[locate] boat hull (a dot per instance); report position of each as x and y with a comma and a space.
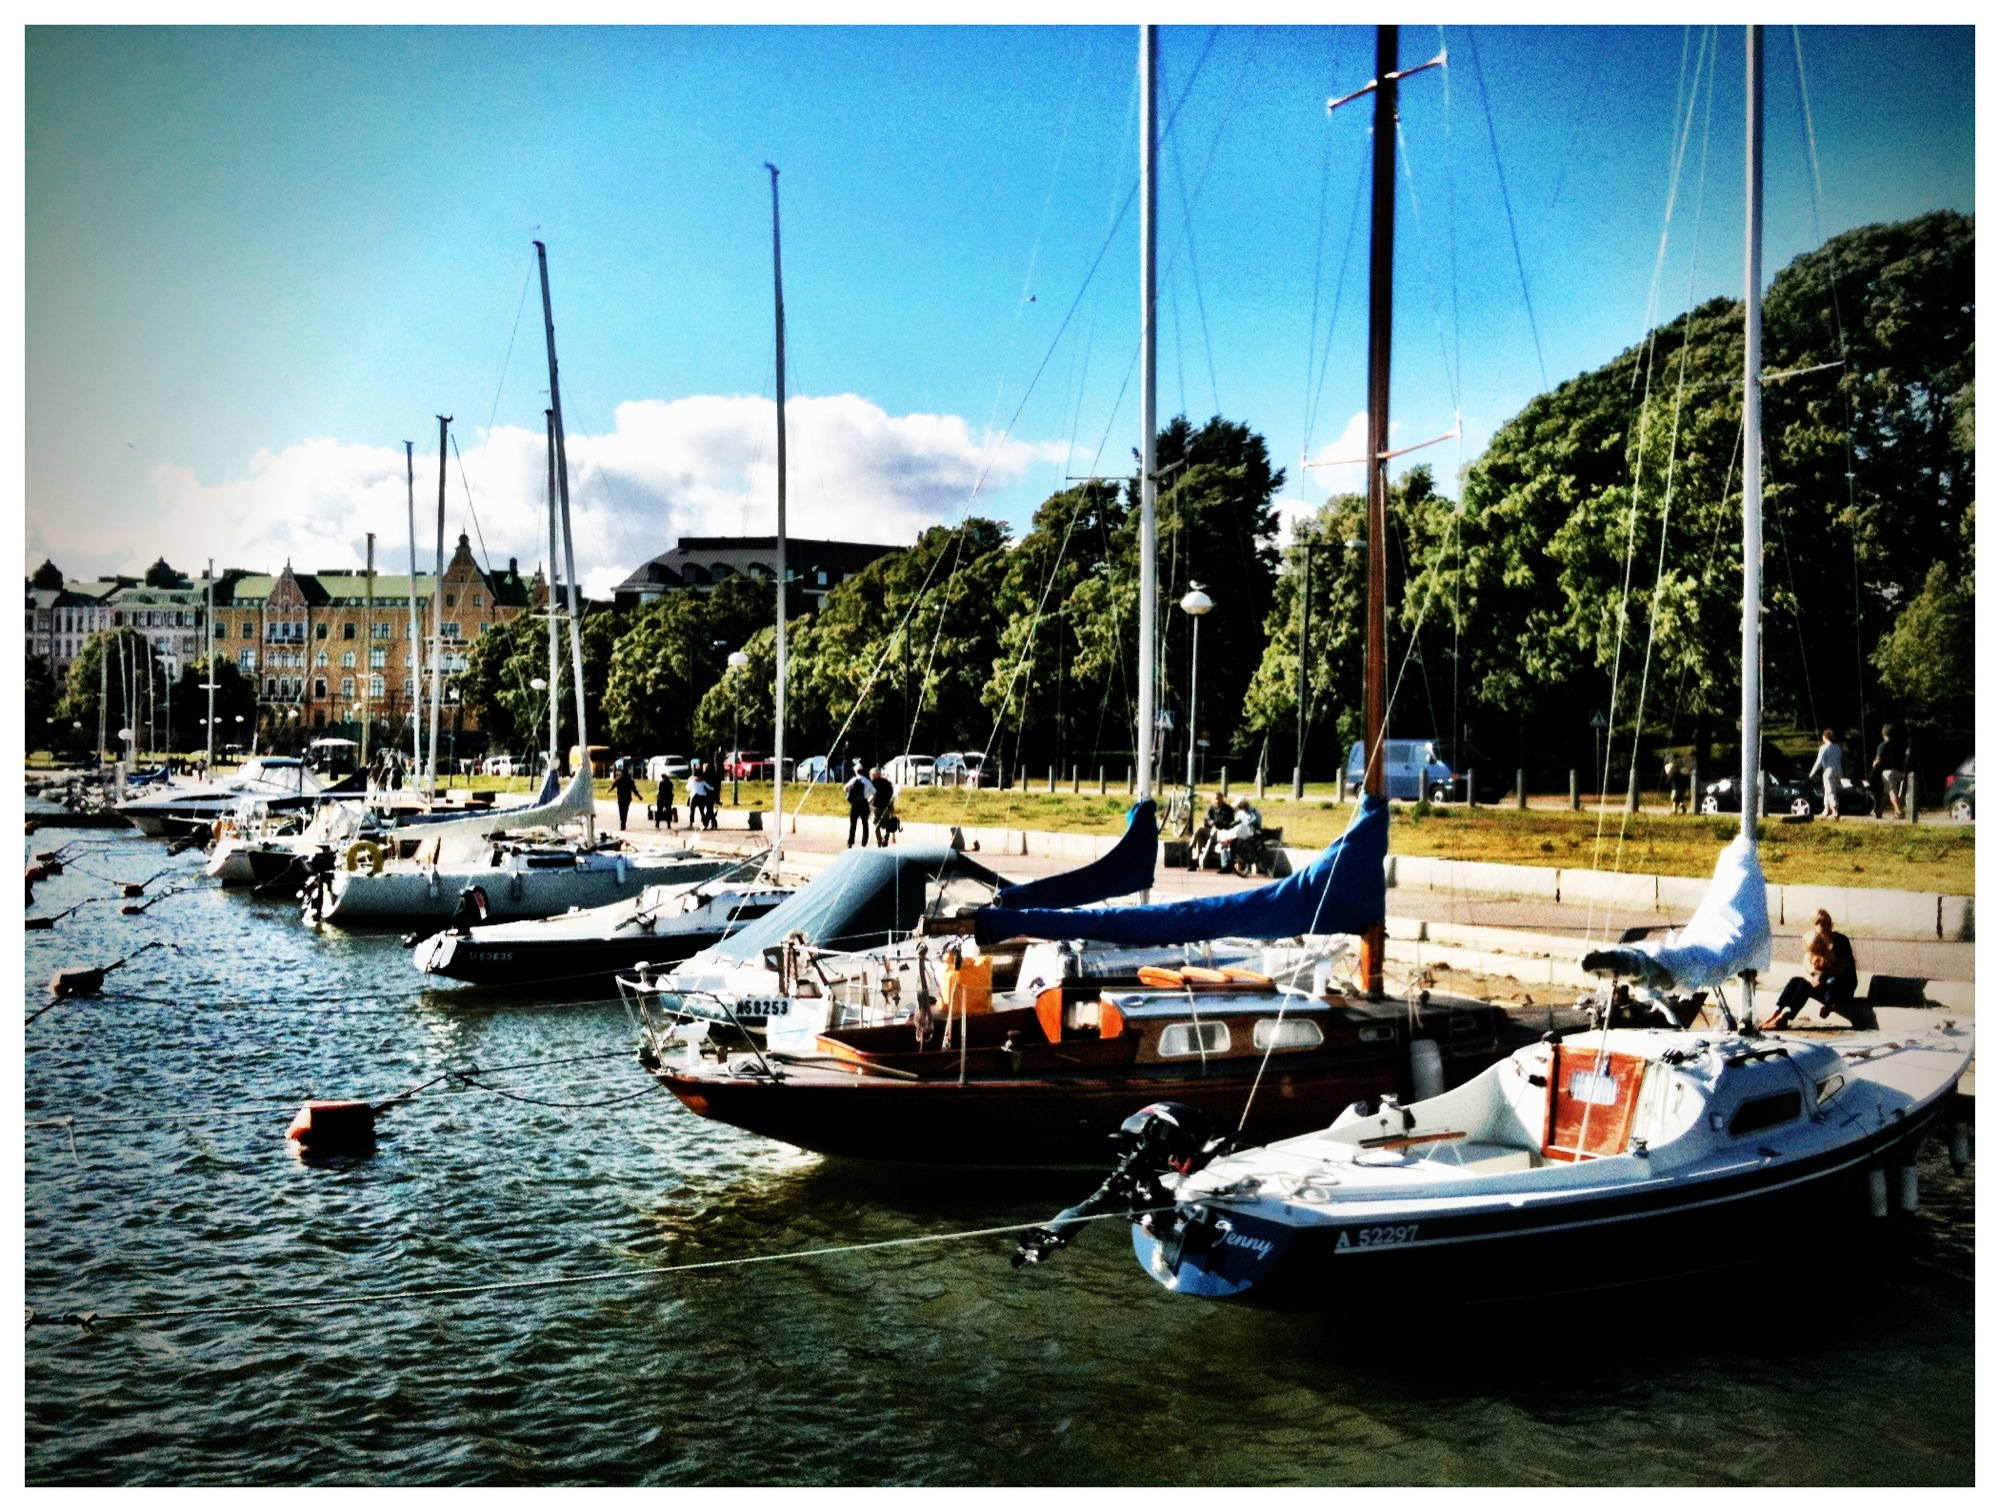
1043, 1121
521, 963
402, 898
1542, 1247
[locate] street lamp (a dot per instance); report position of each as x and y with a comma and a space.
736, 659
1196, 603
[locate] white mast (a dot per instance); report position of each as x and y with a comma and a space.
568, 545
416, 634
1148, 548
784, 564
1753, 429
208, 760
437, 620
549, 604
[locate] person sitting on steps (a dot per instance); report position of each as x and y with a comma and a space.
1219, 816
1831, 978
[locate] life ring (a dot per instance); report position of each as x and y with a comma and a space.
364, 851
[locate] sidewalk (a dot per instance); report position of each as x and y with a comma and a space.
1526, 949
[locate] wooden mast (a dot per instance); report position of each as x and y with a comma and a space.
1381, 288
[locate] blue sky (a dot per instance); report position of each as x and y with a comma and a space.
259, 259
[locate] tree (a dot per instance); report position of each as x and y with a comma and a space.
1926, 657
234, 695
38, 712
672, 652
130, 673
497, 686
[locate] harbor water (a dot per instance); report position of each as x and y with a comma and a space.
853, 1325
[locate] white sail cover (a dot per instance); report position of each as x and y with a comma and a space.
1729, 934
458, 837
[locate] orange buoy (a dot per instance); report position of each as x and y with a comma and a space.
132, 889
78, 981
330, 1127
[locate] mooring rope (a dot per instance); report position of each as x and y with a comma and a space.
89, 1320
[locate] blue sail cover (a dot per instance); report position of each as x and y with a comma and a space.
1342, 892
1124, 869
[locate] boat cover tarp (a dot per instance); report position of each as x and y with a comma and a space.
1125, 869
863, 898
1729, 934
1341, 892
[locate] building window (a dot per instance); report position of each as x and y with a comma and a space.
450, 630
319, 658
376, 687
249, 631
319, 631
377, 657
347, 658
382, 629
247, 659
347, 631
319, 687
347, 687
451, 601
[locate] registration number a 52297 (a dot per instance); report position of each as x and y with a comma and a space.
1376, 1237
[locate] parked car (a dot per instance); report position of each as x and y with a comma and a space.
1789, 793
753, 766
675, 767
504, 766
962, 769
1958, 801
814, 769
600, 760
1424, 769
910, 771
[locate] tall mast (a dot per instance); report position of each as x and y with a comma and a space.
1149, 567
549, 604
368, 672
416, 634
208, 756
1381, 288
437, 618
1753, 428
568, 545
784, 560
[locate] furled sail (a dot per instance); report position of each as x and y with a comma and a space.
1125, 869
1729, 934
1341, 892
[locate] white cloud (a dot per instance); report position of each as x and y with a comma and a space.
698, 466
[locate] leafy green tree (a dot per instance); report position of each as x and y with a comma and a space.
497, 685
129, 665
671, 654
1926, 658
38, 707
234, 695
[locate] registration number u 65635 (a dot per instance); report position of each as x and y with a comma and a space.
1376, 1237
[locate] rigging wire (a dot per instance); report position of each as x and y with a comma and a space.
1506, 200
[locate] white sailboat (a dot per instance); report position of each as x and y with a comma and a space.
1605, 1157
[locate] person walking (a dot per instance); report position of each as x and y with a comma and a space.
1677, 784
860, 795
663, 802
624, 788
1892, 767
1828, 766
882, 805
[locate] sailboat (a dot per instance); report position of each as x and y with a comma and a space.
1606, 1157
490, 866
1032, 1050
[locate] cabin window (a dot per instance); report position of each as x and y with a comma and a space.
1286, 1034
1829, 1088
1599, 1088
1766, 1112
1194, 1039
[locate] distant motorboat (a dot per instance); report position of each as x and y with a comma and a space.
281, 781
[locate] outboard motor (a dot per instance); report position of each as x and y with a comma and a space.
1160, 1137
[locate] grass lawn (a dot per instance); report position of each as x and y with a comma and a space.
1851, 853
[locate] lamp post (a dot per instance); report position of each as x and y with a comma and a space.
540, 685
736, 659
1196, 603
